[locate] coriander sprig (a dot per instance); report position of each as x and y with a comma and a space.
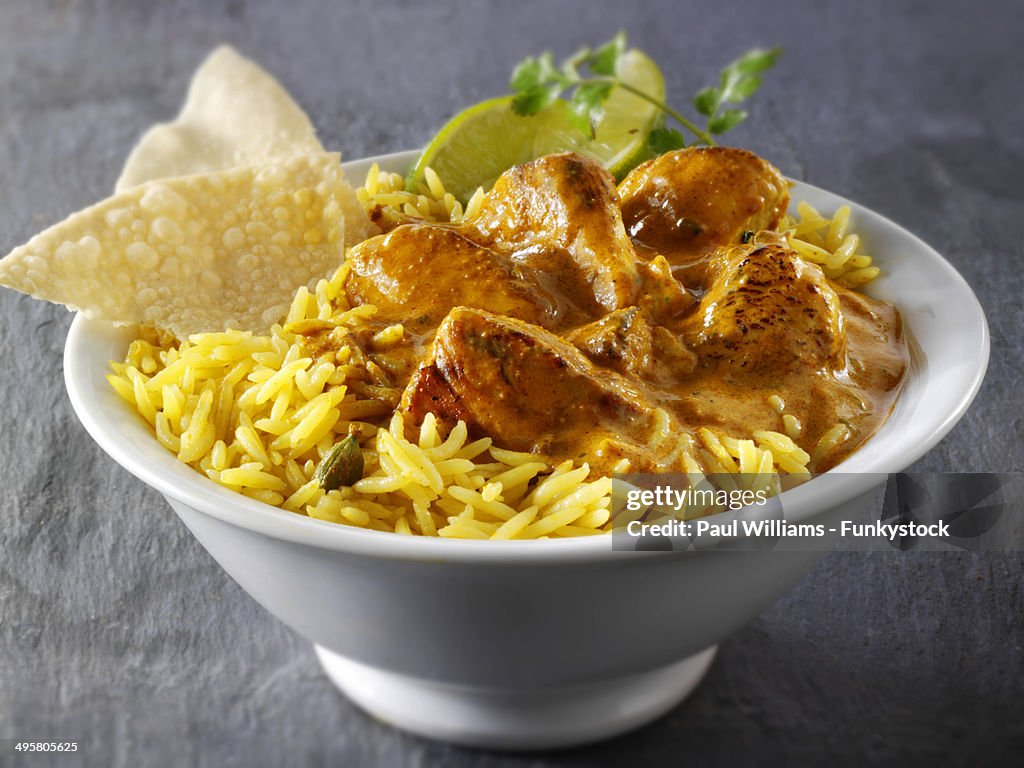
737, 82
538, 83
592, 74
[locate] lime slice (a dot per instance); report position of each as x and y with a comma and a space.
485, 140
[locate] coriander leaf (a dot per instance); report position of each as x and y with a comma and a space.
535, 99
662, 140
533, 72
526, 75
605, 60
727, 84
745, 87
756, 60
728, 119
592, 94
707, 101
738, 81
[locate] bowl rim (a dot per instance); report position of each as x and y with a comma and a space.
195, 490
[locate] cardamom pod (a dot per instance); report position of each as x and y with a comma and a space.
342, 466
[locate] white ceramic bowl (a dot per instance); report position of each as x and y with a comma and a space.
538, 643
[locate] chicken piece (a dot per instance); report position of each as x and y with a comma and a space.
559, 215
662, 297
625, 342
686, 203
416, 273
529, 390
767, 312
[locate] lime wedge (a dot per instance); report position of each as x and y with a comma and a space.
485, 140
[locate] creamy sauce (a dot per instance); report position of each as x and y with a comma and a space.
581, 319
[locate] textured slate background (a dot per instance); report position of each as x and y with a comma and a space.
120, 632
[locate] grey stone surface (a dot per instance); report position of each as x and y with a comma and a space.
118, 631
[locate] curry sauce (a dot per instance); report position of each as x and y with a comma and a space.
576, 319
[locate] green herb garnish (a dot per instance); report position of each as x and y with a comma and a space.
737, 82
591, 76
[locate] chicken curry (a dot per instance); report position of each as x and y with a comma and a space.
574, 318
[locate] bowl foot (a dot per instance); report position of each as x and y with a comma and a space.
517, 719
